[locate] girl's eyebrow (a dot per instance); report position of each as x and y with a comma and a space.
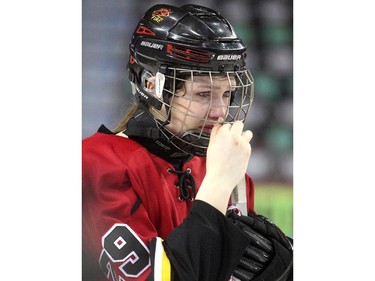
201, 86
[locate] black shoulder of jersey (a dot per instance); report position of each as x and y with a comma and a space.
104, 130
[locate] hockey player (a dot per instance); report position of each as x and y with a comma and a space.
156, 189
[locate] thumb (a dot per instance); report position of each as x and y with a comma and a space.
216, 127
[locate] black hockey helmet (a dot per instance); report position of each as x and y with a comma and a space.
186, 41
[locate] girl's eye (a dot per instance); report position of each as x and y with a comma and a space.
204, 94
227, 94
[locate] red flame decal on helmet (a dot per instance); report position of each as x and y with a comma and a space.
159, 15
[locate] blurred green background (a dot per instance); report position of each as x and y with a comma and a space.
275, 201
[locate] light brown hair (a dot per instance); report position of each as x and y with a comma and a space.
125, 118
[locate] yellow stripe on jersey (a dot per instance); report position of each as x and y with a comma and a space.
162, 266
166, 267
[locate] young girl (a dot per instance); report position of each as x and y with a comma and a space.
156, 189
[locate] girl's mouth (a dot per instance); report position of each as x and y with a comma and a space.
206, 129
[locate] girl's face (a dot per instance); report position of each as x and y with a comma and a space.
199, 104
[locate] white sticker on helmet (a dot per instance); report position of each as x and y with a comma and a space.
159, 84
133, 88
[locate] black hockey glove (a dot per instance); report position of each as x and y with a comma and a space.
269, 255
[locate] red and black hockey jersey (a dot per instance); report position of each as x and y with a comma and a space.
134, 227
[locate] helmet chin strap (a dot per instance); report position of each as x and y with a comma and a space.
193, 141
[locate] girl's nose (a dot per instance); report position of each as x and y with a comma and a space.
218, 108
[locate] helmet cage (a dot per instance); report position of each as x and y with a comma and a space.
195, 141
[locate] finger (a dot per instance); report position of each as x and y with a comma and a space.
237, 128
247, 135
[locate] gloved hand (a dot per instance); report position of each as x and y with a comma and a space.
269, 255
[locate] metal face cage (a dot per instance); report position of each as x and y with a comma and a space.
194, 100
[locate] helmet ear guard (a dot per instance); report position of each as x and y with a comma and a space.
141, 91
